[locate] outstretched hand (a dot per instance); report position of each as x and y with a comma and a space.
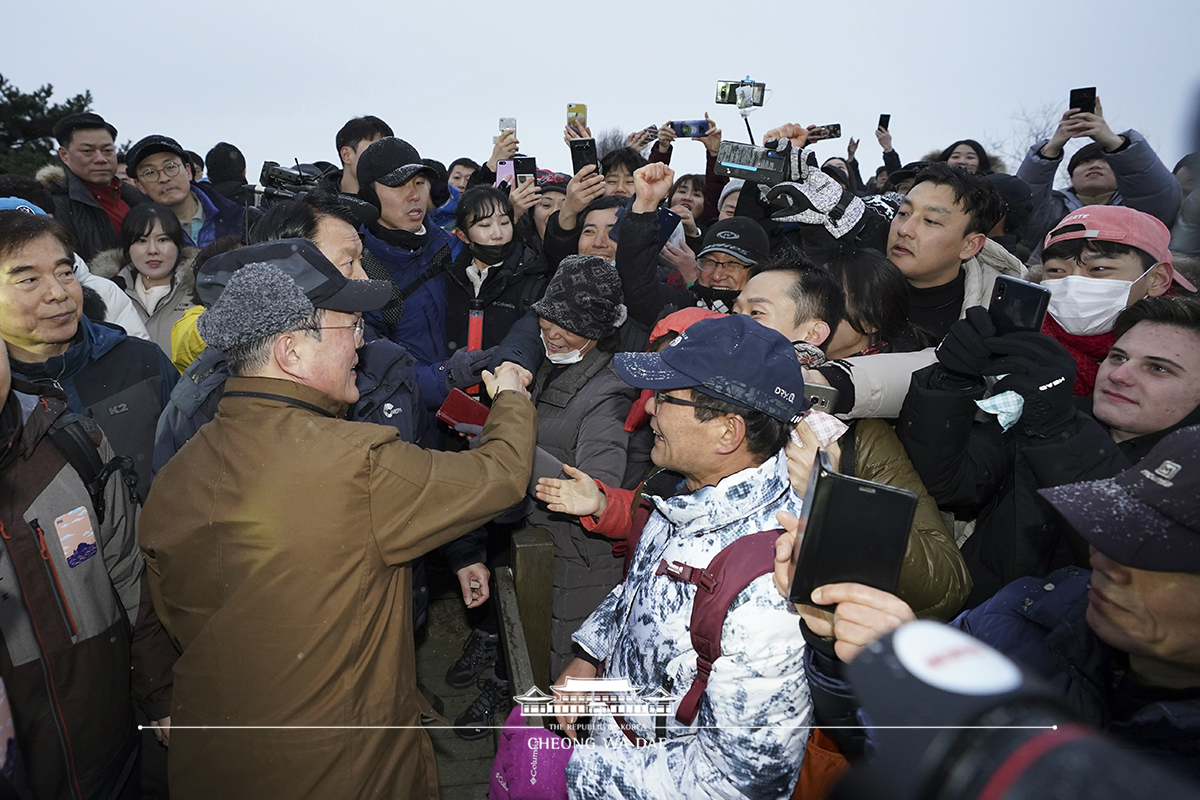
580, 495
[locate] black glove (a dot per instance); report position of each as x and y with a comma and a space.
464, 368
964, 351
1041, 371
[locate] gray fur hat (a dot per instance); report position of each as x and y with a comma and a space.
260, 300
584, 297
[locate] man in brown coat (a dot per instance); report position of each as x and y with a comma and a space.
278, 542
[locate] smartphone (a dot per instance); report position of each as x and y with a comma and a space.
727, 92
856, 531
822, 398
583, 152
525, 169
508, 124
505, 173
460, 407
833, 131
668, 221
577, 115
885, 120
1084, 99
757, 164
693, 128
1017, 305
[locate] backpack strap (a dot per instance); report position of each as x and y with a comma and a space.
847, 440
727, 575
72, 440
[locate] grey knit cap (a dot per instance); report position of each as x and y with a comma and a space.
260, 300
584, 297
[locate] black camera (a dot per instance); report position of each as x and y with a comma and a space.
293, 179
953, 719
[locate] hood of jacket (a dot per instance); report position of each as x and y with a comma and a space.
111, 263
982, 270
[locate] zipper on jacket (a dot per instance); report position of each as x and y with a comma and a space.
63, 608
60, 722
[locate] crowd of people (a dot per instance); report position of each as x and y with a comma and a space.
262, 409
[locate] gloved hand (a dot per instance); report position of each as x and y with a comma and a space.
813, 198
463, 369
964, 351
1041, 371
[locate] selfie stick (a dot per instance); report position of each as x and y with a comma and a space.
745, 104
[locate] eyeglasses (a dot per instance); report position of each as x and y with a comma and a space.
661, 397
359, 327
707, 264
170, 169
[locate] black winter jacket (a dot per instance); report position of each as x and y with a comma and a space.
507, 293
88, 223
976, 470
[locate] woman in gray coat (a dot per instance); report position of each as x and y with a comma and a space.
581, 405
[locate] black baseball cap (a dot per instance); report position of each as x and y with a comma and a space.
908, 171
731, 358
300, 260
1148, 517
150, 145
392, 162
740, 237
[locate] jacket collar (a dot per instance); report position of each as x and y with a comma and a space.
92, 341
256, 393
559, 391
736, 497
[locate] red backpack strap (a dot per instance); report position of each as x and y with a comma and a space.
727, 575
642, 509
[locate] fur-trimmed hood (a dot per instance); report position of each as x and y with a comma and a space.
52, 177
110, 264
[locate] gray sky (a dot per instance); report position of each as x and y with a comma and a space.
279, 80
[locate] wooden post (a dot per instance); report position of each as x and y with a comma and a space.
533, 569
512, 637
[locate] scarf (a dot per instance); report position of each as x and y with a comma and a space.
1088, 352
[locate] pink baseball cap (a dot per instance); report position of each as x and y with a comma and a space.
1122, 225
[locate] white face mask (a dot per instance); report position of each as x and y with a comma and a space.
570, 357
1087, 306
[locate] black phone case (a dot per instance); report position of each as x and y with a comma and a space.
583, 152
1017, 305
1084, 99
857, 532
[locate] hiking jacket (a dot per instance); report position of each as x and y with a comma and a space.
121, 382
161, 319
581, 421
979, 471
1143, 183
278, 543
79, 635
418, 323
507, 293
749, 736
88, 223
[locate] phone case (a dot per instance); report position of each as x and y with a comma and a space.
1017, 305
460, 407
583, 152
856, 532
504, 172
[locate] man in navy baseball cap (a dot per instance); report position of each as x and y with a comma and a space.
734, 359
